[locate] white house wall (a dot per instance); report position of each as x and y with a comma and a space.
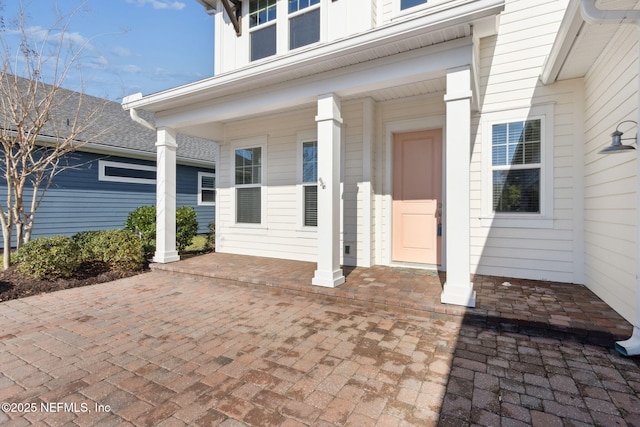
510, 65
342, 19
281, 236
610, 181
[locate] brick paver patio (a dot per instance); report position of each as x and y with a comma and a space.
167, 348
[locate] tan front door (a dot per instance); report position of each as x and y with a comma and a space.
417, 196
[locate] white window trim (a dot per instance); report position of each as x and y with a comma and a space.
302, 137
259, 141
102, 176
200, 175
544, 219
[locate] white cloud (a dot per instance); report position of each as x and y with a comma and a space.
121, 51
99, 62
131, 68
41, 34
160, 4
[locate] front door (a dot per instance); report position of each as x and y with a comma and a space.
417, 196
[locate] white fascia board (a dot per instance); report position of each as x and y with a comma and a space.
206, 89
404, 68
569, 29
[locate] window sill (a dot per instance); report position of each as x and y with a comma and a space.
516, 221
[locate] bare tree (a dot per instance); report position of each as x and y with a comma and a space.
40, 122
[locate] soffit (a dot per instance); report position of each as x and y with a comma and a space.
585, 47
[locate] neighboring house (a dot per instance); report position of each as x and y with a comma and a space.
115, 172
461, 135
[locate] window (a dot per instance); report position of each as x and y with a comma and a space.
304, 22
262, 16
406, 4
248, 180
518, 167
309, 183
126, 172
206, 189
516, 163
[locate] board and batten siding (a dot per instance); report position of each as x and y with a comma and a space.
611, 87
510, 65
78, 201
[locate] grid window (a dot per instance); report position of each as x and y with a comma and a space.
263, 39
516, 166
248, 180
309, 183
261, 12
296, 5
304, 27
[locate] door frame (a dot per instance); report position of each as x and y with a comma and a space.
402, 126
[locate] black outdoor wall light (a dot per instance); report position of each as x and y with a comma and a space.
616, 141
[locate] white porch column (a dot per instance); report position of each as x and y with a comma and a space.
458, 289
328, 272
166, 197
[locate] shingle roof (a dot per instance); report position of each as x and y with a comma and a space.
114, 127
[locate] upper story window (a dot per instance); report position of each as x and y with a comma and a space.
262, 24
304, 22
406, 4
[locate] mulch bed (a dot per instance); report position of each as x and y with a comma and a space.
14, 284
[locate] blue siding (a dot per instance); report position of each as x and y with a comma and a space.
78, 201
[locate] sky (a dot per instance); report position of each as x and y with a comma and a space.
128, 46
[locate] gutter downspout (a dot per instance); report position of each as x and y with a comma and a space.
595, 16
136, 118
134, 113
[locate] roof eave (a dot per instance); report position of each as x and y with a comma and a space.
570, 27
183, 95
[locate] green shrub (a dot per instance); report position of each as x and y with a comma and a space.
83, 239
142, 221
120, 249
49, 257
186, 227
211, 237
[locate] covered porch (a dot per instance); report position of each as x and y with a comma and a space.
537, 308
429, 57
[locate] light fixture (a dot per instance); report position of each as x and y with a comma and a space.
616, 141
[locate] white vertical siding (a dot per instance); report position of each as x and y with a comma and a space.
510, 65
610, 181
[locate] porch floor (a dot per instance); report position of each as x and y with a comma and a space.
550, 309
